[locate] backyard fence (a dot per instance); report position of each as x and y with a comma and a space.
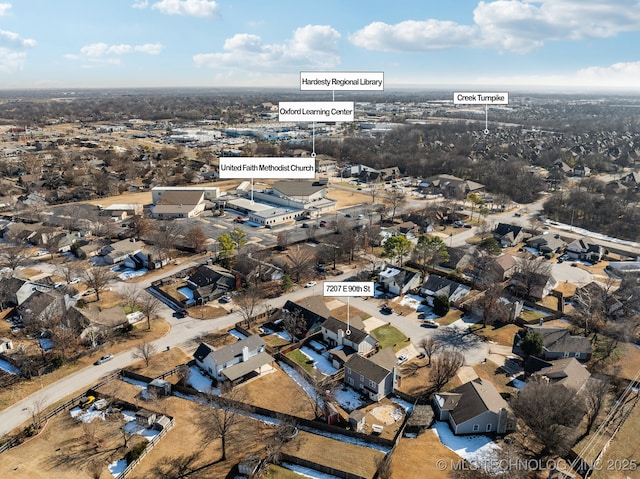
146, 450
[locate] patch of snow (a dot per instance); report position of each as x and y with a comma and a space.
135, 317
321, 363
412, 301
135, 382
348, 398
87, 415
531, 250
316, 345
117, 467
132, 427
284, 335
406, 405
472, 448
132, 273
201, 382
518, 384
9, 368
237, 334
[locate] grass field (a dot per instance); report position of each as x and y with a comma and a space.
501, 334
301, 360
387, 336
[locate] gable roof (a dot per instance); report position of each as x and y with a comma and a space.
567, 372
183, 197
471, 399
503, 229
560, 340
226, 354
207, 275
370, 368
356, 335
439, 285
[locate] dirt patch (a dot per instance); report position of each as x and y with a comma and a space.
341, 313
346, 198
161, 362
500, 333
387, 415
206, 312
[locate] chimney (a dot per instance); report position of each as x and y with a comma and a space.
340, 336
245, 353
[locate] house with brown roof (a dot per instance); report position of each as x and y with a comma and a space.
508, 235
557, 343
475, 407
179, 204
567, 372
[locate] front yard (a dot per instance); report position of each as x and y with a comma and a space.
389, 336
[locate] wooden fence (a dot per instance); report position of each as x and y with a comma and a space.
146, 450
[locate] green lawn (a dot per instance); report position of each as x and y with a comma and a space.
299, 358
387, 336
277, 472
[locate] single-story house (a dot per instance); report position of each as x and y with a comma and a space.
120, 250
546, 244
475, 407
210, 282
241, 360
436, 285
567, 372
375, 376
558, 343
179, 204
313, 309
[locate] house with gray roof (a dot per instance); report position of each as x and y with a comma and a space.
546, 244
585, 249
346, 339
398, 280
558, 343
475, 407
375, 376
210, 282
508, 235
436, 285
237, 362
567, 372
179, 204
313, 309
120, 250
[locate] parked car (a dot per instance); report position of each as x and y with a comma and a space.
348, 215
429, 323
226, 298
458, 224
104, 359
386, 309
74, 281
310, 284
402, 358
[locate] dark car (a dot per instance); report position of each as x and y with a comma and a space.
427, 323
386, 309
180, 314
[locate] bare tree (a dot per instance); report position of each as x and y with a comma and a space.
37, 411
551, 412
98, 279
531, 272
149, 306
430, 346
595, 398
444, 367
13, 255
144, 351
383, 466
300, 261
283, 240
94, 469
131, 294
393, 200
294, 324
223, 421
68, 271
248, 301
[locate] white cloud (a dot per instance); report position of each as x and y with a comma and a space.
624, 74
102, 49
513, 25
311, 46
195, 8
140, 4
4, 8
414, 35
13, 40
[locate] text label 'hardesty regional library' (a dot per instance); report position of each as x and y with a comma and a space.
267, 167
320, 111
344, 81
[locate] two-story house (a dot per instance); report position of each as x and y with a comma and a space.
398, 280
376, 376
346, 339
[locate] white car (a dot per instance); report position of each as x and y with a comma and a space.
225, 299
310, 284
402, 358
74, 281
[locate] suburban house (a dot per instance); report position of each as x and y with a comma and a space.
585, 250
375, 376
408, 229
475, 407
398, 280
567, 372
459, 258
313, 309
436, 285
179, 204
502, 267
532, 285
42, 305
239, 361
120, 250
16, 291
450, 186
546, 244
210, 282
631, 179
558, 343
508, 235
346, 339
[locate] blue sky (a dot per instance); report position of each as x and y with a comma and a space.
556, 44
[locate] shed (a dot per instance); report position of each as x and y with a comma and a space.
161, 423
159, 387
356, 419
145, 418
421, 418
